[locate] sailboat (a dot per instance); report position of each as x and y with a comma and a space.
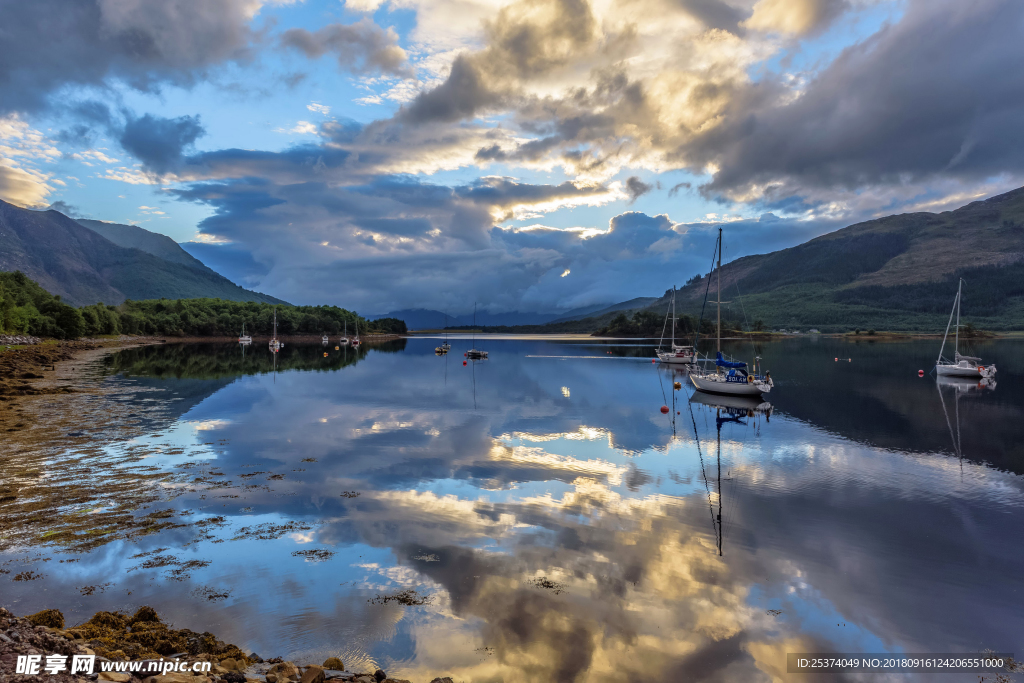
475, 353
730, 377
275, 345
244, 338
355, 340
960, 366
344, 340
676, 354
445, 346
324, 339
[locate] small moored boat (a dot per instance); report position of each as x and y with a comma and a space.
960, 366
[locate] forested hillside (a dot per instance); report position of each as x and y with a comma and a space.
25, 307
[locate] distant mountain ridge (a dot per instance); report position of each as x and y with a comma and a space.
86, 265
426, 319
898, 272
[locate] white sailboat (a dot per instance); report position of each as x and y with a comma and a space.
355, 340
730, 377
475, 353
960, 366
275, 344
344, 339
244, 338
445, 347
676, 354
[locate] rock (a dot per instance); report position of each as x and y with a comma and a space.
446, 679
177, 678
234, 677
230, 664
379, 675
365, 679
255, 658
334, 663
313, 674
284, 671
118, 676
48, 617
271, 678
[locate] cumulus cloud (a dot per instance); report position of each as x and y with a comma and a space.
795, 17
160, 143
362, 47
49, 44
947, 106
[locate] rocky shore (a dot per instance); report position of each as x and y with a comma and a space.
143, 637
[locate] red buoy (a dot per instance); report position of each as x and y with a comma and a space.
654, 360
837, 360
664, 409
463, 362
920, 373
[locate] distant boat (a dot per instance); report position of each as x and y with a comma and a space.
730, 377
676, 354
244, 338
344, 340
324, 339
474, 353
275, 344
355, 340
960, 366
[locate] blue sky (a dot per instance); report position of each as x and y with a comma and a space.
385, 154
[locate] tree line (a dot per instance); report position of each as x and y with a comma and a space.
27, 308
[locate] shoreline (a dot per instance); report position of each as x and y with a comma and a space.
143, 637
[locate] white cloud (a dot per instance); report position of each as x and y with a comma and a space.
319, 108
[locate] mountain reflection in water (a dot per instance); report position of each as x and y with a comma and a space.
556, 524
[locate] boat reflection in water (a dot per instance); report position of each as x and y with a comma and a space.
728, 409
959, 386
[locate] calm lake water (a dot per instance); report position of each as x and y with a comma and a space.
555, 524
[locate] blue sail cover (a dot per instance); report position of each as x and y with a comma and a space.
722, 363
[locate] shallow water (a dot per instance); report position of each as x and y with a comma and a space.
555, 523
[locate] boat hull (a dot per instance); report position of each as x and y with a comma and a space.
717, 386
973, 372
676, 358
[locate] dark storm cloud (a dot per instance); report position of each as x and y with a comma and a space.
160, 143
462, 95
49, 44
362, 47
936, 94
636, 188
713, 13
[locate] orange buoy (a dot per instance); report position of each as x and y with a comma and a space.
325, 354
920, 373
664, 410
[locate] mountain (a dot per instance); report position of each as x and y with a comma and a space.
134, 237
84, 267
899, 272
425, 319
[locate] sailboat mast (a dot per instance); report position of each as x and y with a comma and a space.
956, 346
673, 319
719, 290
719, 454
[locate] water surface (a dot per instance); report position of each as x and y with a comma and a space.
554, 523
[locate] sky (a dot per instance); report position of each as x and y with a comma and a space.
530, 155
